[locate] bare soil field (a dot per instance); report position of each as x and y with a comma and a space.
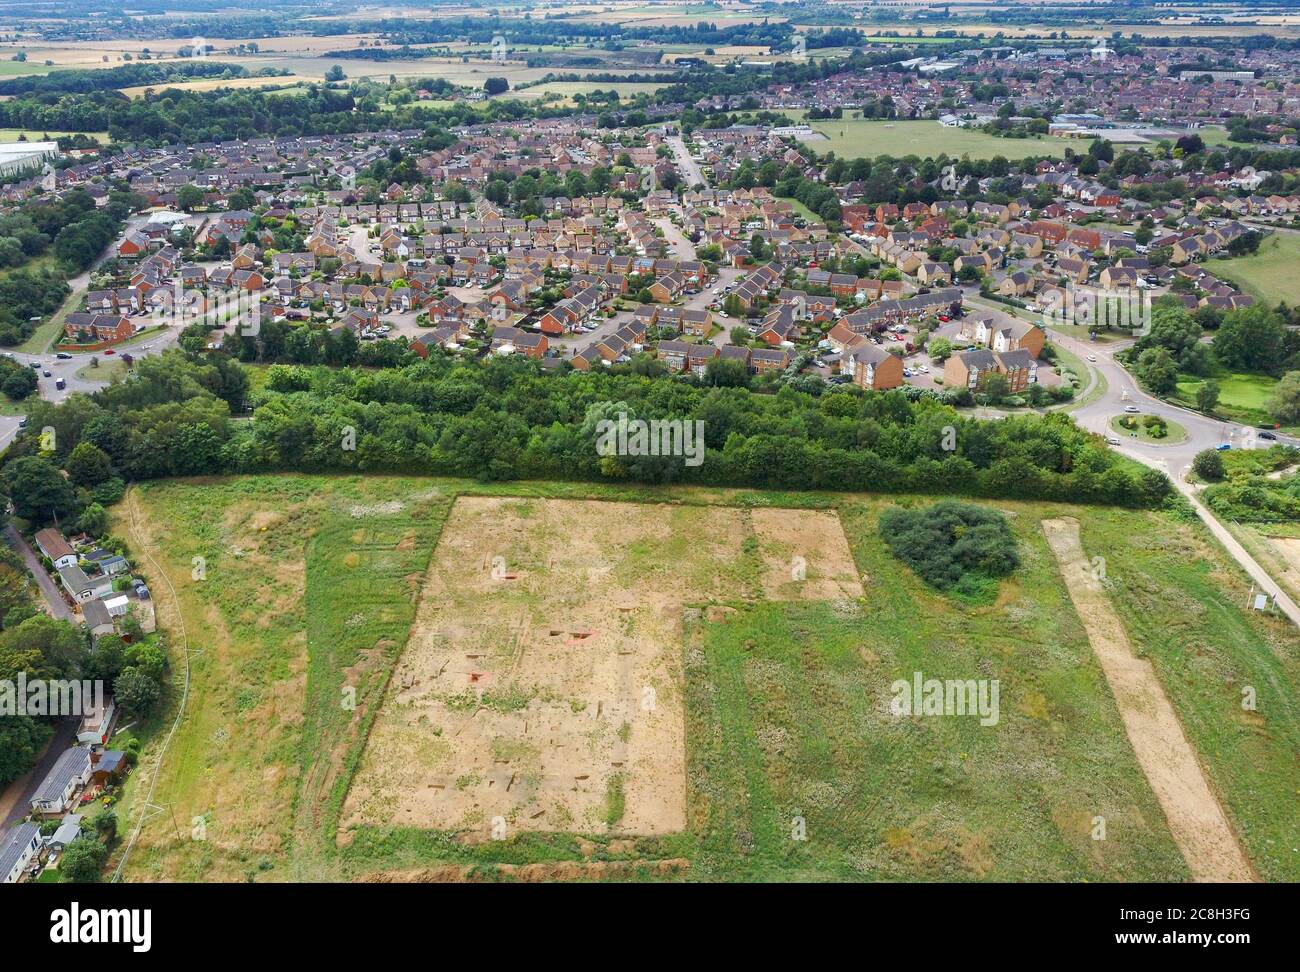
1196, 820
541, 687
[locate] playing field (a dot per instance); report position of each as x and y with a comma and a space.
422, 679
1269, 274
856, 138
1242, 397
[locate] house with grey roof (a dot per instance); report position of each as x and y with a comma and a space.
68, 774
21, 845
81, 587
69, 830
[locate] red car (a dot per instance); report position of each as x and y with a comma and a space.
109, 351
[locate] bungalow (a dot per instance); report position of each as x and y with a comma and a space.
70, 772
21, 845
132, 244
81, 587
97, 619
52, 545
97, 722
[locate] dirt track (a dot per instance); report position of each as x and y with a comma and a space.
1196, 819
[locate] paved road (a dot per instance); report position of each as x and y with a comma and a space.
679, 247
693, 174
58, 607
1174, 460
16, 798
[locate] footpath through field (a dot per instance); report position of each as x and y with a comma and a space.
1197, 821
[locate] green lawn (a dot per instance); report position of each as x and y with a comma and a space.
1241, 397
854, 137
1270, 274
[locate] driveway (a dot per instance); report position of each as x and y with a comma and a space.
16, 798
58, 607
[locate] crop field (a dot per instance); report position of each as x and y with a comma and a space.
855, 138
10, 135
567, 89
431, 679
212, 84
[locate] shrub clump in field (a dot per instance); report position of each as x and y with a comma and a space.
960, 548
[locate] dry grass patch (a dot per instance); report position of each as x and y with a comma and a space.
541, 687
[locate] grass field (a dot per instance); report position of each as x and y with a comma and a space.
10, 68
1241, 397
9, 135
1269, 274
298, 625
854, 138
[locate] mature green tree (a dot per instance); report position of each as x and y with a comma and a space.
83, 861
1251, 339
21, 740
137, 692
1207, 396
1284, 404
1157, 370
88, 465
1208, 464
189, 197
37, 488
